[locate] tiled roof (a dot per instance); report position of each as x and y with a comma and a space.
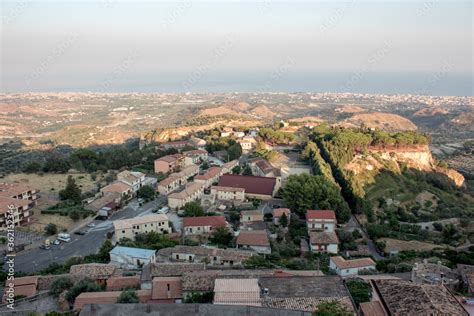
130, 222
129, 175
195, 152
313, 214
7, 201
160, 288
117, 186
204, 280
209, 174
251, 184
237, 292
93, 270
342, 263
174, 269
253, 238
278, 212
213, 221
373, 308
304, 286
309, 304
263, 165
106, 298
323, 238
226, 254
26, 286
170, 158
188, 190
14, 189
120, 283
407, 298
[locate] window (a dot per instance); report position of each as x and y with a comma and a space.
177, 257
168, 286
123, 232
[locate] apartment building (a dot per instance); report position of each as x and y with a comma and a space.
177, 179
228, 193
134, 179
169, 163
129, 228
196, 156
20, 199
193, 191
209, 177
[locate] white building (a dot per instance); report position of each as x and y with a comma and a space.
192, 192
129, 228
345, 267
321, 220
134, 179
131, 258
202, 224
256, 240
228, 193
195, 156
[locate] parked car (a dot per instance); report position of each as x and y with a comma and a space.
80, 232
45, 247
91, 225
56, 242
164, 210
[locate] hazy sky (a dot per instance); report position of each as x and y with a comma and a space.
79, 45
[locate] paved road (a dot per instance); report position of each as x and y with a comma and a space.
370, 244
80, 245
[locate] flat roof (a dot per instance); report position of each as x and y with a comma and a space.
133, 252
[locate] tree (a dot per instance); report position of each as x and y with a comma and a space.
247, 171
74, 215
85, 285
360, 291
199, 298
236, 170
304, 192
221, 236
255, 262
283, 220
105, 250
51, 229
32, 167
234, 151
60, 285
56, 164
146, 192
72, 192
192, 209
128, 296
332, 308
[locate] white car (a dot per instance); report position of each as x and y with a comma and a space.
91, 225
56, 242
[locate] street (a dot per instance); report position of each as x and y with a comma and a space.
37, 259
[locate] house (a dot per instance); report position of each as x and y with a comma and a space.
202, 224
238, 134
193, 191
87, 298
255, 187
228, 166
261, 167
373, 308
278, 213
134, 179
177, 269
321, 220
345, 267
303, 292
209, 177
128, 228
109, 199
195, 157
251, 216
16, 202
256, 240
197, 142
237, 292
228, 193
399, 297
119, 283
100, 272
169, 163
323, 242
21, 286
124, 190
247, 143
131, 258
208, 255
177, 179
166, 290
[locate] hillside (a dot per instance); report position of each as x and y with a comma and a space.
384, 121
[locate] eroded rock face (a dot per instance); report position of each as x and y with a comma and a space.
457, 178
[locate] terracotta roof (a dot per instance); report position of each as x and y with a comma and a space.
120, 283
7, 201
160, 288
263, 165
204, 280
106, 298
189, 189
14, 189
130, 222
312, 214
209, 174
170, 158
251, 184
130, 176
169, 269
24, 286
195, 152
372, 309
342, 263
236, 255
227, 189
308, 304
117, 186
407, 298
323, 238
278, 212
253, 238
213, 221
168, 180
237, 292
93, 270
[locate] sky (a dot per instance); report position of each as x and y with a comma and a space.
360, 46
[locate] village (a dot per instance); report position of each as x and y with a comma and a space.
217, 230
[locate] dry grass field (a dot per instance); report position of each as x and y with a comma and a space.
402, 245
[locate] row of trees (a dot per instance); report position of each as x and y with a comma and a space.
275, 136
